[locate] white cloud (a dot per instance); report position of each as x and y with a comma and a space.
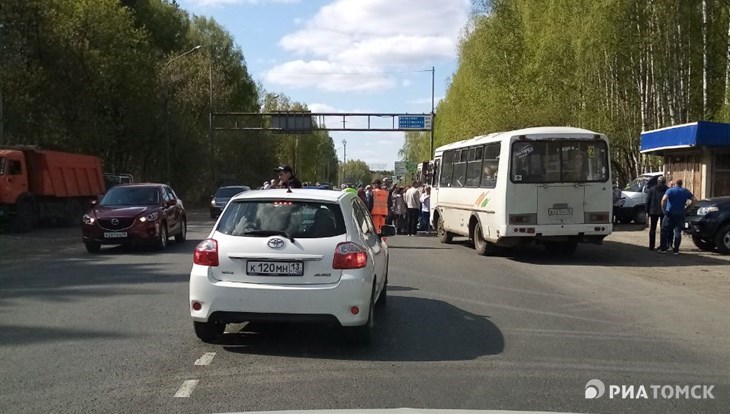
422, 101
367, 39
406, 83
326, 75
215, 3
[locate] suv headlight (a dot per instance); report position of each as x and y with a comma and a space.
150, 217
88, 219
704, 210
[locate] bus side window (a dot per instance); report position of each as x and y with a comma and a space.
447, 169
436, 170
490, 168
474, 167
459, 179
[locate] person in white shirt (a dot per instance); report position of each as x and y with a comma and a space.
413, 202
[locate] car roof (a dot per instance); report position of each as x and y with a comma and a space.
295, 194
233, 186
139, 185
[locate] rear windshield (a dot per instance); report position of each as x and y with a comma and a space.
559, 160
228, 192
298, 219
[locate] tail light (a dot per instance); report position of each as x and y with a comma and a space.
599, 217
349, 255
206, 253
523, 219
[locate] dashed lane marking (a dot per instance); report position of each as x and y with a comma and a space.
206, 359
186, 389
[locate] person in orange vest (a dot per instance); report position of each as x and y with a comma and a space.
379, 210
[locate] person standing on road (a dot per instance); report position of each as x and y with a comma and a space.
674, 203
379, 208
654, 209
413, 201
425, 208
288, 180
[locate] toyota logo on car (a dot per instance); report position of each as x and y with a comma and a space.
276, 243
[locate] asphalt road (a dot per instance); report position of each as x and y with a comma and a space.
521, 331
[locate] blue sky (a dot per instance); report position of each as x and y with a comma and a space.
348, 56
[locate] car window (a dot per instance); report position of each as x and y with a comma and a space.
300, 219
131, 196
227, 192
358, 210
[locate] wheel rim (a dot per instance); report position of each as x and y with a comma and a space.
441, 227
184, 231
726, 239
163, 236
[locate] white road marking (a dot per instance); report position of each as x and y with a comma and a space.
186, 389
206, 359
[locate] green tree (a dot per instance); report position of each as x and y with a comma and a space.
355, 172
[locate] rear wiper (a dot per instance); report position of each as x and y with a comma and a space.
265, 233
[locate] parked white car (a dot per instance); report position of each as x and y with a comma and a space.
299, 255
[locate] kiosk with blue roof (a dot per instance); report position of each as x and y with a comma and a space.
698, 153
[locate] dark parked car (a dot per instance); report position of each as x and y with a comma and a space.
135, 213
222, 196
708, 221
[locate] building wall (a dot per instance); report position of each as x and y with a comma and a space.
687, 166
720, 173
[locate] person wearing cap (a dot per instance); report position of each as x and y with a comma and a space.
287, 178
654, 209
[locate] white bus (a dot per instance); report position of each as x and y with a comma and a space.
551, 185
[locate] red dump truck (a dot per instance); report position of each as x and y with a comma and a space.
46, 185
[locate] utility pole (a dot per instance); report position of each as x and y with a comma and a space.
2, 120
433, 107
210, 123
344, 157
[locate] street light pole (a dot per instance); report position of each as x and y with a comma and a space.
433, 107
210, 123
167, 116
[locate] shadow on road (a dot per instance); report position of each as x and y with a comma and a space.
407, 329
92, 275
629, 227
24, 335
611, 253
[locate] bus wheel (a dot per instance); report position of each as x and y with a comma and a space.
444, 236
481, 246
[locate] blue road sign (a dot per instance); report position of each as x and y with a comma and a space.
414, 122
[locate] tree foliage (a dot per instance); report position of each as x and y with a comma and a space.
356, 172
614, 66
104, 77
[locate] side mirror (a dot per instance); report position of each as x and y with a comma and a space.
645, 189
171, 203
387, 231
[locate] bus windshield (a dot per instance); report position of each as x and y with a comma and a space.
559, 160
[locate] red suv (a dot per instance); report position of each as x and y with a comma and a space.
133, 213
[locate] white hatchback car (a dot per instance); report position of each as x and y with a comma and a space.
299, 255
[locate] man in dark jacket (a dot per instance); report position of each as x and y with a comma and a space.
287, 178
654, 209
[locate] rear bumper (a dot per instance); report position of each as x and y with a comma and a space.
584, 233
232, 302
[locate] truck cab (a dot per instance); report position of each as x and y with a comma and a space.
635, 193
13, 178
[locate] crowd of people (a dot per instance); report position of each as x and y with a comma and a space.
408, 209
666, 204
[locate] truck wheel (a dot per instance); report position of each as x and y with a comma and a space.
705, 245
92, 247
25, 216
722, 239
